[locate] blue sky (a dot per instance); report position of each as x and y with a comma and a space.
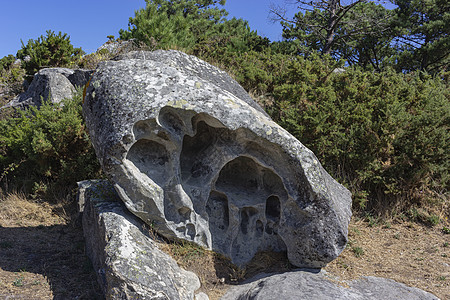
89, 22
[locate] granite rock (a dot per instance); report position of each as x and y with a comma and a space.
192, 154
127, 261
55, 84
304, 284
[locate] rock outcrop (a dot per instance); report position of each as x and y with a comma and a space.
117, 47
127, 261
310, 285
192, 154
55, 84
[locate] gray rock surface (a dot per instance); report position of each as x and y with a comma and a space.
56, 83
127, 261
117, 47
191, 153
309, 285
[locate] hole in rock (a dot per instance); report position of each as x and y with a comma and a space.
272, 182
185, 212
169, 119
194, 154
259, 228
190, 230
246, 218
151, 158
217, 210
239, 175
273, 209
143, 128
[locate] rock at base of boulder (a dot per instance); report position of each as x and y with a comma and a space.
305, 284
127, 261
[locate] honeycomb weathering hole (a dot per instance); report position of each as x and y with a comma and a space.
273, 209
219, 220
170, 120
217, 210
248, 183
195, 152
151, 158
247, 214
239, 174
253, 195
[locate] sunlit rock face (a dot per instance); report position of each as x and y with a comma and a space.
191, 154
52, 84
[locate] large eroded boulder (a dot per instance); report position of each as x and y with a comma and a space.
192, 154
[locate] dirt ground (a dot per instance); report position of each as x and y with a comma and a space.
411, 253
42, 255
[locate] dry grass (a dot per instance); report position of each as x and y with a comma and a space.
411, 253
42, 255
216, 272
42, 252
17, 211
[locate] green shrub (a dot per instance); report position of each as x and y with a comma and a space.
52, 50
358, 251
384, 135
6, 62
91, 61
47, 148
11, 79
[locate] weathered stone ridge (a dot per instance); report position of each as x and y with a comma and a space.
192, 154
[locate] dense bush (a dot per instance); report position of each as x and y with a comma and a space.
194, 26
384, 135
46, 149
11, 79
6, 62
52, 50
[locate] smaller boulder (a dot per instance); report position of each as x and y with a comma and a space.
55, 84
127, 261
312, 284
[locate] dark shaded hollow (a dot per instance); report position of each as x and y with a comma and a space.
273, 209
246, 215
217, 210
170, 120
192, 157
151, 158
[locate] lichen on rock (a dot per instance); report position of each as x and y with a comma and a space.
191, 153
